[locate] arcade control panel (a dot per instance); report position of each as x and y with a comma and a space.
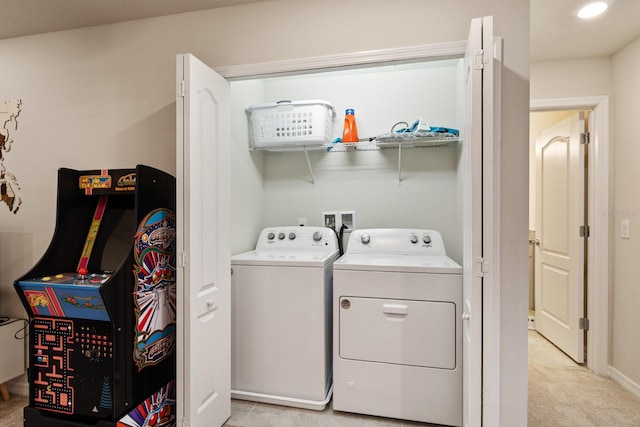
82, 278
73, 295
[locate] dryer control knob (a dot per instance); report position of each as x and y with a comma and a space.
292, 235
271, 236
365, 238
281, 236
426, 239
414, 238
317, 236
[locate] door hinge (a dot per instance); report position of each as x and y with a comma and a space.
182, 259
479, 267
182, 89
584, 323
479, 59
585, 138
584, 231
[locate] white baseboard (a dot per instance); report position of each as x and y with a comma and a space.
624, 381
19, 386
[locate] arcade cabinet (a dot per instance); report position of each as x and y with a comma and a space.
102, 303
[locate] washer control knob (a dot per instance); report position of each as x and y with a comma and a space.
292, 235
317, 236
271, 236
365, 238
281, 236
426, 239
414, 238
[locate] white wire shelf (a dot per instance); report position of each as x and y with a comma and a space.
393, 142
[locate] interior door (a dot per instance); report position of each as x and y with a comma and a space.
203, 188
478, 70
560, 212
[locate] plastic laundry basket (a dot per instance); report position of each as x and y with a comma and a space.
290, 123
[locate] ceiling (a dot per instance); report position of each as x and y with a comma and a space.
555, 32
26, 17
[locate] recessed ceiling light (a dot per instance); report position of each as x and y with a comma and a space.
592, 9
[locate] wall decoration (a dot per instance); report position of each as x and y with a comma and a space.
9, 187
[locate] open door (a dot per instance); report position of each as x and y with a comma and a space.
477, 195
560, 215
203, 249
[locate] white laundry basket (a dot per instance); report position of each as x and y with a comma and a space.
290, 124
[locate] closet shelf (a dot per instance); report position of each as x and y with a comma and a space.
391, 142
416, 142
376, 144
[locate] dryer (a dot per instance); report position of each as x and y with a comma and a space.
398, 327
281, 324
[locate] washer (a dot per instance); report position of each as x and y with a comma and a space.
281, 325
397, 327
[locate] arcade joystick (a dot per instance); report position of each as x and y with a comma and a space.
82, 273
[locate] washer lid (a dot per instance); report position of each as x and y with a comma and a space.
398, 263
298, 258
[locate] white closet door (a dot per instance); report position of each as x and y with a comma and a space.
203, 194
477, 206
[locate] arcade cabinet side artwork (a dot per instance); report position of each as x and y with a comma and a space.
102, 303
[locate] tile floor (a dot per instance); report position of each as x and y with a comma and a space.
250, 414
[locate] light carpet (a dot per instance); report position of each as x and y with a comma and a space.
562, 393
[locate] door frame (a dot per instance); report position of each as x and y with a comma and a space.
490, 377
598, 221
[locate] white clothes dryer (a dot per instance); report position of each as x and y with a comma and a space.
281, 322
398, 327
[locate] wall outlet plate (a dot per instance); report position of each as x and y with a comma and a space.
335, 220
329, 219
625, 229
348, 218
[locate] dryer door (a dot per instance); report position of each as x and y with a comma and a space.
404, 332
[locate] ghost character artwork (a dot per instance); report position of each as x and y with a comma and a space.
9, 112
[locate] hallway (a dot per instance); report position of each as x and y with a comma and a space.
562, 393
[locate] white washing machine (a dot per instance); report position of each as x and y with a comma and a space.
398, 327
281, 324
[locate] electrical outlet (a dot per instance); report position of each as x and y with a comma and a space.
329, 219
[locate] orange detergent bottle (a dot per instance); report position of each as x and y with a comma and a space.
350, 132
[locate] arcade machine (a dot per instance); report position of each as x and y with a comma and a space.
102, 303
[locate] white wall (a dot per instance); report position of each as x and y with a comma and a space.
625, 175
247, 170
570, 78
364, 181
104, 97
